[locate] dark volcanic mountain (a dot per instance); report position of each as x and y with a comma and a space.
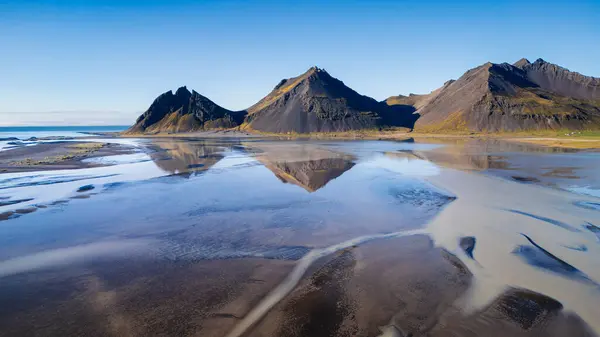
185, 111
317, 102
505, 97
489, 98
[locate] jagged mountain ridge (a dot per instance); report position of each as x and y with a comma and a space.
512, 97
185, 111
416, 100
312, 102
552, 77
488, 98
317, 102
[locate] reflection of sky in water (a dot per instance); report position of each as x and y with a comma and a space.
48, 186
232, 206
23, 136
575, 172
367, 148
69, 131
403, 166
587, 190
119, 159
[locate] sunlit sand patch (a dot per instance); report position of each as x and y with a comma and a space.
479, 212
548, 220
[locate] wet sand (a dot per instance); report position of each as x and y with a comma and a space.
58, 155
136, 297
512, 245
400, 283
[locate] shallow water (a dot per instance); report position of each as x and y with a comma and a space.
236, 233
13, 137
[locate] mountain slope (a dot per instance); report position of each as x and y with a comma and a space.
417, 101
317, 102
185, 111
505, 97
557, 79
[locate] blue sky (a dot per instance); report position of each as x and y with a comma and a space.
103, 62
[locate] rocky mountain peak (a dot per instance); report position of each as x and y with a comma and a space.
183, 92
522, 63
315, 101
562, 81
316, 73
185, 111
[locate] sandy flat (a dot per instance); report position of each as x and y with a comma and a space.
57, 155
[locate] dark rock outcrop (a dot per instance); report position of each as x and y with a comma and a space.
317, 102
185, 111
86, 188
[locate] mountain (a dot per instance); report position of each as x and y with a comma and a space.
510, 97
488, 98
415, 100
560, 80
185, 111
317, 102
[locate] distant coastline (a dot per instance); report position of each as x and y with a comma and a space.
84, 128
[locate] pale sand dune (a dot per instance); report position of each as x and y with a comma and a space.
480, 211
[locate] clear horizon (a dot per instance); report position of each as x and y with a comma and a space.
103, 62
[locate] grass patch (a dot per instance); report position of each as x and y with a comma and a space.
73, 151
454, 123
91, 146
580, 144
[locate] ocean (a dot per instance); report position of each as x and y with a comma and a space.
48, 131
11, 136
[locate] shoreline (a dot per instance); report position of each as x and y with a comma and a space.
70, 154
580, 142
